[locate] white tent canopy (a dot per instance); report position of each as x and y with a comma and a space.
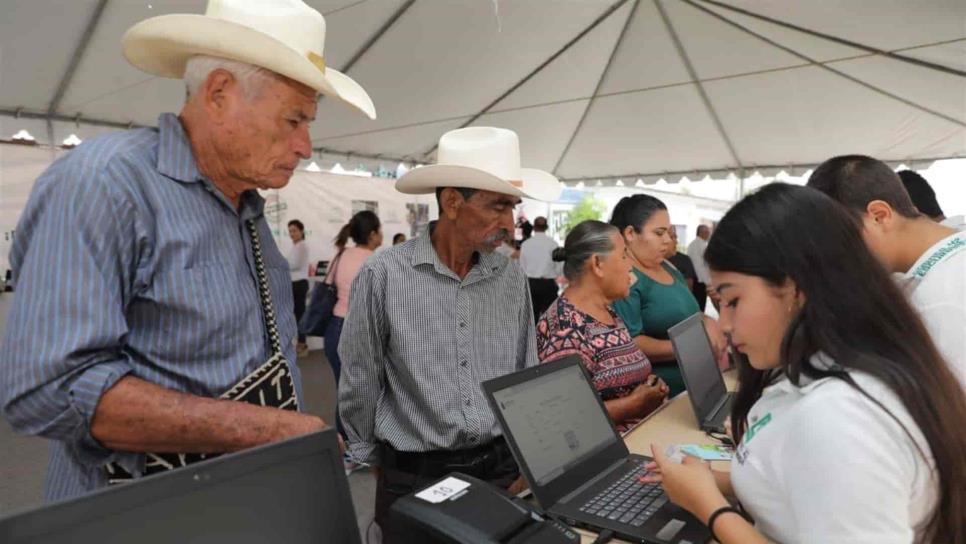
597, 89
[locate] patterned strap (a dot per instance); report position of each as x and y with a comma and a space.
263, 290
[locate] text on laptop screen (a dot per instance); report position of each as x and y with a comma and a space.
697, 361
556, 421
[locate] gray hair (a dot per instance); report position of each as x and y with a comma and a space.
252, 78
587, 239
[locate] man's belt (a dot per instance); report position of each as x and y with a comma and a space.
434, 463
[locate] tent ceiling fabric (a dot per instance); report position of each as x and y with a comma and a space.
442, 62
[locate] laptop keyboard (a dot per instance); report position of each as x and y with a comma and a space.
627, 500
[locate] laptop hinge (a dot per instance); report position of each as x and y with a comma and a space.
717, 408
592, 481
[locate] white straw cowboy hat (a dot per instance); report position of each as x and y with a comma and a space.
284, 36
484, 158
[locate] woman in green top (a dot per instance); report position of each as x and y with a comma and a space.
659, 298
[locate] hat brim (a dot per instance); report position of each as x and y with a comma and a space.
536, 184
162, 46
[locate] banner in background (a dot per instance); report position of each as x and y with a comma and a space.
325, 202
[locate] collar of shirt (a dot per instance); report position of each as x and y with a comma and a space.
805, 384
486, 264
176, 161
910, 280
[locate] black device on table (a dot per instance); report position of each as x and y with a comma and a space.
576, 463
699, 368
293, 491
465, 510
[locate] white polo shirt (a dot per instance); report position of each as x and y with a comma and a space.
936, 286
536, 257
823, 464
696, 252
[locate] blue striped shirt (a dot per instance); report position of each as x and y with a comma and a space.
128, 261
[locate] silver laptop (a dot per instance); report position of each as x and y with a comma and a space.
576, 463
706, 388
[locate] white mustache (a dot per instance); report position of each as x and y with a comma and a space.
499, 236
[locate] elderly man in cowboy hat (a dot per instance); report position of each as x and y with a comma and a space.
432, 318
153, 320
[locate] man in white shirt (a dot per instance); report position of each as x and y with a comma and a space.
536, 258
696, 252
928, 257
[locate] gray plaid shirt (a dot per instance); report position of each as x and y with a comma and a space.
418, 341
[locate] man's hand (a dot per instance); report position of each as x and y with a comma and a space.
518, 485
139, 416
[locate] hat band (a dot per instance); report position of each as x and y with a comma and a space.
317, 60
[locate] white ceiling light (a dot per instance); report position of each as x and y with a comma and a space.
337, 169
24, 136
72, 141
313, 167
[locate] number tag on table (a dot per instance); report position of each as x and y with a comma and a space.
443, 490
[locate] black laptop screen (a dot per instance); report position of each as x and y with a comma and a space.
693, 351
292, 492
556, 421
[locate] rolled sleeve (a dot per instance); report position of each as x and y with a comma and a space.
363, 354
63, 347
84, 393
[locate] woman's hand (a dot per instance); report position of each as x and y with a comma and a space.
650, 394
690, 485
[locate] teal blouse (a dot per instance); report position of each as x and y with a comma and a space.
652, 308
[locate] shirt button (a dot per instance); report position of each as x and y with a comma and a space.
463, 363
467, 402
462, 323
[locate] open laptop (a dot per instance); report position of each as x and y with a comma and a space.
577, 466
706, 388
293, 491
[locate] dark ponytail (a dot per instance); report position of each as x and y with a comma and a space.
359, 228
634, 211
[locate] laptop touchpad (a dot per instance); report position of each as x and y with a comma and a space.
670, 529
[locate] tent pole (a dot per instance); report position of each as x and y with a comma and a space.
842, 41
600, 83
537, 70
824, 66
76, 57
693, 74
375, 37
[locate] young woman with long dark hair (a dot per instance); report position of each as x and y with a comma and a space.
851, 427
